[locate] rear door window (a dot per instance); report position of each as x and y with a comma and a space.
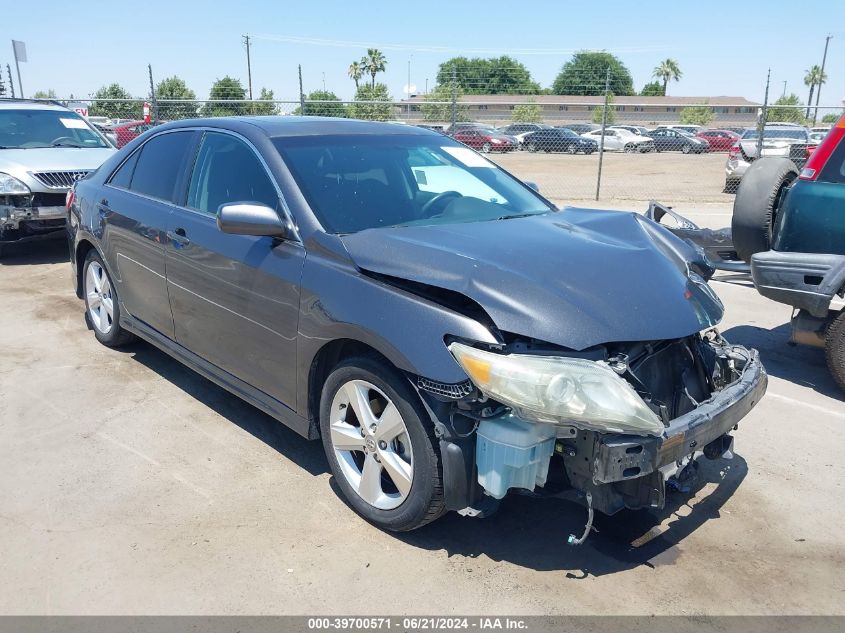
160, 164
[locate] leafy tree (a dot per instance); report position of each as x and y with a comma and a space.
323, 103
814, 77
222, 91
176, 89
830, 118
44, 94
264, 104
125, 108
527, 113
496, 75
787, 109
438, 104
652, 89
586, 72
598, 113
696, 115
355, 72
374, 62
372, 103
666, 71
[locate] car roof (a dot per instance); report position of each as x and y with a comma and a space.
25, 104
290, 126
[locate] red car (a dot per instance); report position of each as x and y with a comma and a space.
486, 140
125, 132
720, 140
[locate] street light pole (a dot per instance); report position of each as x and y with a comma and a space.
819, 91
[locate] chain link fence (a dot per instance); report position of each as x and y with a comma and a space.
576, 148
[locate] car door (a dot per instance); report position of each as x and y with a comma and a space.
135, 207
235, 298
612, 140
661, 140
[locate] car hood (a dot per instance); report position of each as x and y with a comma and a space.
576, 278
53, 159
772, 146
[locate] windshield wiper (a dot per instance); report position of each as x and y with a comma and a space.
66, 145
520, 215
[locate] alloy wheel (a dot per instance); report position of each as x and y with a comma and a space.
485, 148
99, 297
371, 444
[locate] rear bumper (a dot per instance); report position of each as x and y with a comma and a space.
620, 458
807, 281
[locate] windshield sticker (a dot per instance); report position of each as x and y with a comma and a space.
74, 124
468, 157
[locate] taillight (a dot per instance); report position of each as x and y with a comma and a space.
734, 151
819, 157
69, 199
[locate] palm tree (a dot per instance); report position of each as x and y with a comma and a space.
667, 71
356, 71
374, 62
814, 77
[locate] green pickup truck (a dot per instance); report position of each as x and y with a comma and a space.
792, 228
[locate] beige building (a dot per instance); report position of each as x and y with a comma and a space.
562, 109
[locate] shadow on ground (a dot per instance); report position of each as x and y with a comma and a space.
308, 455
799, 364
48, 251
532, 532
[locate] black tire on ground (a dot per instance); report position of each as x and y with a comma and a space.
571, 149
630, 148
486, 148
425, 501
755, 205
834, 349
116, 336
532, 147
686, 149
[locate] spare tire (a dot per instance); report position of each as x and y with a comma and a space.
756, 203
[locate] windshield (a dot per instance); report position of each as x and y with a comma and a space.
359, 182
29, 129
797, 134
566, 133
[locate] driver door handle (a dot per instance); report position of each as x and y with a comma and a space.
178, 237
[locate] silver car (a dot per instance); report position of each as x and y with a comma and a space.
44, 148
780, 139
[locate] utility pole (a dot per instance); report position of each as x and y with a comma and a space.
153, 94
248, 67
324, 81
819, 91
454, 95
603, 126
764, 114
301, 94
784, 88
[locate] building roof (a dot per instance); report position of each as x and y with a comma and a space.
592, 100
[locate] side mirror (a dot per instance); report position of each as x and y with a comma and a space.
251, 218
532, 185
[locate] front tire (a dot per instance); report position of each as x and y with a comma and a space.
381, 446
834, 349
686, 149
102, 307
486, 148
630, 148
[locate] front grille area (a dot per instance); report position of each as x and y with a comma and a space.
60, 179
48, 199
446, 390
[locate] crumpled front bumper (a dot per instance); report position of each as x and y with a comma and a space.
35, 220
621, 457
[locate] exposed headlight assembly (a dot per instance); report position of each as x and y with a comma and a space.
10, 186
559, 390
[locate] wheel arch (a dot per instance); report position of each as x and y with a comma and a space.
83, 247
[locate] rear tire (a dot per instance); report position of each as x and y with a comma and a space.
630, 148
571, 149
102, 306
390, 506
755, 206
486, 148
834, 349
686, 149
532, 147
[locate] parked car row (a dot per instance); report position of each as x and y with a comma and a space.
534, 137
785, 140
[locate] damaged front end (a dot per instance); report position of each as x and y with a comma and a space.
28, 216
618, 421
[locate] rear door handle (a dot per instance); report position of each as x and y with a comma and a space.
178, 237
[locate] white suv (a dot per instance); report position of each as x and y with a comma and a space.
44, 148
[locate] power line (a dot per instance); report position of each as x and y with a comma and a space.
295, 39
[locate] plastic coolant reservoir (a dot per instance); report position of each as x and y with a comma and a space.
513, 453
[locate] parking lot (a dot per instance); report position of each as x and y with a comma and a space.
670, 177
134, 486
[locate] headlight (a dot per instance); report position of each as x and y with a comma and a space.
10, 186
557, 389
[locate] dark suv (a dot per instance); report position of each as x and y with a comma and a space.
445, 330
